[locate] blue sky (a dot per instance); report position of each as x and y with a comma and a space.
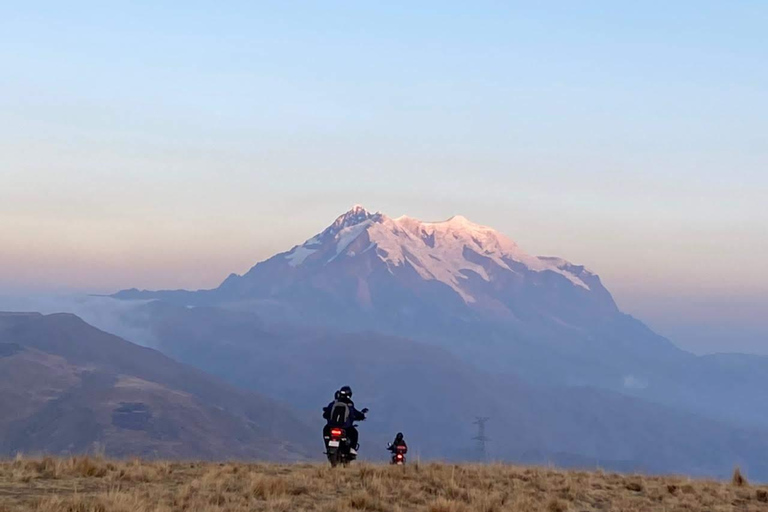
165, 144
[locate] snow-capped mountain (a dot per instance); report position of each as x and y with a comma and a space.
446, 251
455, 283
365, 260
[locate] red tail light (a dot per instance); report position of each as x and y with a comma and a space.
336, 432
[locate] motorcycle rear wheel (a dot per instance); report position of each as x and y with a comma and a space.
334, 459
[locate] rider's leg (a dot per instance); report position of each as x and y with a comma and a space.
353, 437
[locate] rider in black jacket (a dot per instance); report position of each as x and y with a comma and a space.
342, 413
398, 444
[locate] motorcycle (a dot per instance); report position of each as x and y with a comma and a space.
398, 454
338, 444
337, 447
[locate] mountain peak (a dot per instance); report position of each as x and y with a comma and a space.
356, 215
459, 222
357, 209
459, 219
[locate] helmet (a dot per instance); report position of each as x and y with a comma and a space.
345, 391
399, 436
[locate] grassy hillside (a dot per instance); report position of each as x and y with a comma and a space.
66, 387
98, 485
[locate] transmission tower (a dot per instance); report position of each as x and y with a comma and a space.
481, 438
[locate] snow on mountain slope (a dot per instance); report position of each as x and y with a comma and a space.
439, 251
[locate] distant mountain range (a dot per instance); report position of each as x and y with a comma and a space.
67, 387
434, 323
471, 290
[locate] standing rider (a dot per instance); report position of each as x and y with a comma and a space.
342, 413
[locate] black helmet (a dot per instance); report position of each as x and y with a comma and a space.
345, 391
399, 436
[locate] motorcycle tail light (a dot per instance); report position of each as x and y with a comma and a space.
336, 432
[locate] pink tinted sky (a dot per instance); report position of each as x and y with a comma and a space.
165, 145
701, 284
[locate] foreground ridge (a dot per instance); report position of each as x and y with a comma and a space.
91, 484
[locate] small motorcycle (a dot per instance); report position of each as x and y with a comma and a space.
398, 454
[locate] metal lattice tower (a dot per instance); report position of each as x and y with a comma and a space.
481, 438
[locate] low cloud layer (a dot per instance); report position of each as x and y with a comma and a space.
105, 313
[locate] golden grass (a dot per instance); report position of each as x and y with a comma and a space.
94, 484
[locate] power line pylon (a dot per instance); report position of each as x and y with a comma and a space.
481, 438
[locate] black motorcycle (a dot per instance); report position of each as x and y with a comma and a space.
338, 444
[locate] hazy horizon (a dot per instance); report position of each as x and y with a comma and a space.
699, 322
166, 146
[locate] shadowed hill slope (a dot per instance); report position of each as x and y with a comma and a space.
67, 387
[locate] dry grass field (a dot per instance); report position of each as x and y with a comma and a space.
92, 484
